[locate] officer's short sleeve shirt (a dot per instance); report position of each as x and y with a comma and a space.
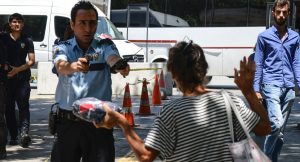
79, 85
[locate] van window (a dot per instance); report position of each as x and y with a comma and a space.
107, 27
60, 24
35, 25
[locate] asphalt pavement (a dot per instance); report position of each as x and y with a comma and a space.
39, 150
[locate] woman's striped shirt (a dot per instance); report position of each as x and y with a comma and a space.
192, 129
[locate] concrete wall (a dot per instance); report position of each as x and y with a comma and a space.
47, 81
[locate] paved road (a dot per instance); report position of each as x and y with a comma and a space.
42, 141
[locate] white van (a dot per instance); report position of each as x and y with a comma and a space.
46, 20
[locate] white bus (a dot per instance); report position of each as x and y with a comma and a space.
226, 29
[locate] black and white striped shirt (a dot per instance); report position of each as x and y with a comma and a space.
192, 129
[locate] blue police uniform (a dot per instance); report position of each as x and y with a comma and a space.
77, 138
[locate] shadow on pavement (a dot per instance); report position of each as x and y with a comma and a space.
40, 149
41, 144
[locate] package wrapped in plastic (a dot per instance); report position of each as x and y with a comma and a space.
90, 109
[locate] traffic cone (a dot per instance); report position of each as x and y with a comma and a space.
144, 104
127, 106
162, 80
162, 86
156, 99
127, 98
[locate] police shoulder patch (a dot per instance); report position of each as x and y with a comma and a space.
114, 47
64, 42
55, 51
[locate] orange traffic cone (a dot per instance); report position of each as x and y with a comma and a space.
127, 98
156, 99
162, 80
127, 106
144, 105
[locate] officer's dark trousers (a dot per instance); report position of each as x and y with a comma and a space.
18, 92
3, 132
80, 139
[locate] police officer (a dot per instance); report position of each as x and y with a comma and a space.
19, 46
3, 80
84, 67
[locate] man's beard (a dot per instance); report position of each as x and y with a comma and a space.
280, 23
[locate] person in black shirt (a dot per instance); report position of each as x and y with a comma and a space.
3, 81
19, 46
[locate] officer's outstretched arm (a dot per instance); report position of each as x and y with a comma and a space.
65, 68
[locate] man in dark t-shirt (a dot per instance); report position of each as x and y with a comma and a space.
19, 46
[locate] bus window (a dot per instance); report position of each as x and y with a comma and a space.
223, 13
137, 18
197, 13
118, 17
257, 12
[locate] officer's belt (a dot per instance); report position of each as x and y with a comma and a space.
67, 115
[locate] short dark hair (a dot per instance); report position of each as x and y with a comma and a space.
16, 16
188, 64
85, 5
281, 3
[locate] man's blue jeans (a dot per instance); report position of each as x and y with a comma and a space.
279, 102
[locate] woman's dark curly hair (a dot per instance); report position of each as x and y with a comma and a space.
188, 65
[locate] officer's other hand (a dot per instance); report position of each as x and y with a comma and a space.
82, 65
124, 72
